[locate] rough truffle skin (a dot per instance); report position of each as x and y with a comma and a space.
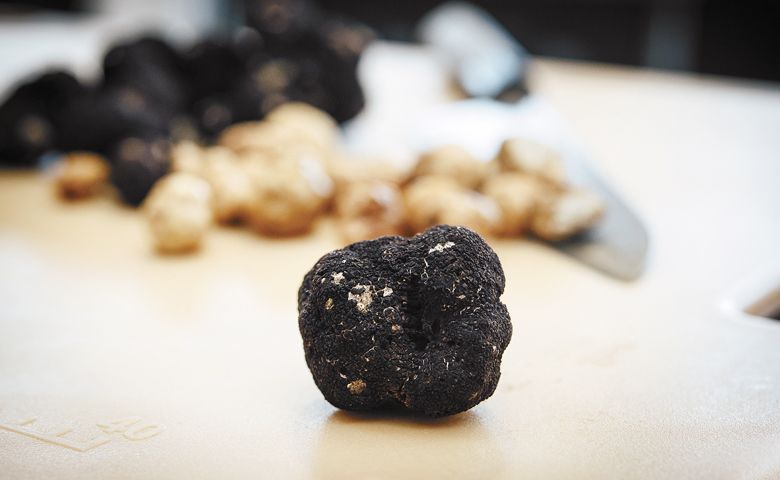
410, 322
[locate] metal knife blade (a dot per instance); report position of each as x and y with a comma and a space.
617, 244
487, 62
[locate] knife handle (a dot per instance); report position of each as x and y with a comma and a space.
486, 59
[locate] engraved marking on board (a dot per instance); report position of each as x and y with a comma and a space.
131, 428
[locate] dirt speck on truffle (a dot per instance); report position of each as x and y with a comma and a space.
356, 387
362, 296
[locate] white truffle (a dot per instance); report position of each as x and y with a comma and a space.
276, 140
454, 162
308, 122
533, 158
230, 183
562, 215
433, 200
345, 170
517, 196
80, 175
369, 209
178, 211
288, 195
187, 157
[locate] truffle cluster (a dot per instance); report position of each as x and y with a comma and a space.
255, 115
522, 190
151, 94
279, 175
415, 323
276, 176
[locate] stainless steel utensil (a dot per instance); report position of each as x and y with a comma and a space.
487, 62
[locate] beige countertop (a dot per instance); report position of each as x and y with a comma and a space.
652, 379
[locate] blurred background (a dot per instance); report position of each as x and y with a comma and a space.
709, 36
93, 75
721, 37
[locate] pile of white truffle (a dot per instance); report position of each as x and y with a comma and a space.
279, 175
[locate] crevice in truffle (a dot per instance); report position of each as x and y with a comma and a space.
419, 327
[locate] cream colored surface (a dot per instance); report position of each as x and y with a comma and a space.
602, 379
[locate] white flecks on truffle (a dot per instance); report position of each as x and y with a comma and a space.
328, 304
337, 277
362, 300
440, 247
386, 291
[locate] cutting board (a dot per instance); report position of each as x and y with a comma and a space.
118, 363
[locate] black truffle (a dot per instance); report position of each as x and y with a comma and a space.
150, 66
214, 113
98, 121
416, 323
340, 44
281, 22
212, 65
31, 120
137, 163
288, 52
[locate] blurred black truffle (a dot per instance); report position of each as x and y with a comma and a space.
97, 121
340, 44
289, 51
319, 68
152, 67
214, 113
32, 115
222, 92
281, 22
416, 323
137, 163
212, 66
248, 45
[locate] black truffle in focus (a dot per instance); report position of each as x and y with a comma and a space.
416, 323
